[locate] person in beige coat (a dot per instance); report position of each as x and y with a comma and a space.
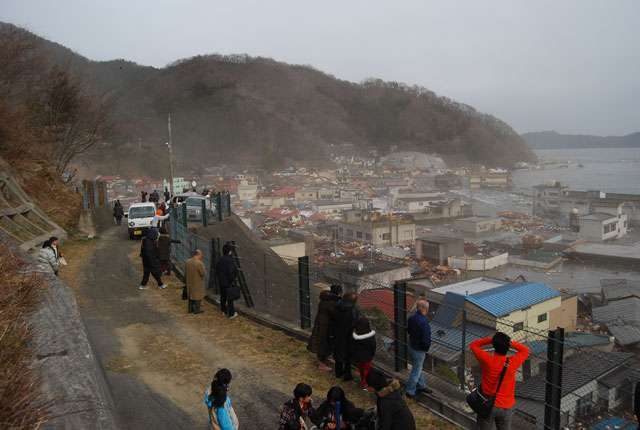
194, 272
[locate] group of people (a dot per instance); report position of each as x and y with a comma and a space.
226, 274
154, 197
155, 252
341, 331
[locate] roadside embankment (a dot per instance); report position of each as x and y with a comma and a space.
67, 375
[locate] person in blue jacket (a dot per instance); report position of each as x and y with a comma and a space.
419, 343
221, 413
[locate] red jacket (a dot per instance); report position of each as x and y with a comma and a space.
492, 365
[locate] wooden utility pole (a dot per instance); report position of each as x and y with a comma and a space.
170, 156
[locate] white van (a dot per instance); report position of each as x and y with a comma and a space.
139, 218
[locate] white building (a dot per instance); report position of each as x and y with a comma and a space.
179, 185
247, 191
600, 227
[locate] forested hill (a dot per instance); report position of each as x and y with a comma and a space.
554, 140
236, 108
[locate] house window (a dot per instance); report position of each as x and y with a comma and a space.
408, 234
518, 326
359, 234
542, 317
368, 236
349, 232
386, 236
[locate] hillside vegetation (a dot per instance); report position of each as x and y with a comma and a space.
240, 109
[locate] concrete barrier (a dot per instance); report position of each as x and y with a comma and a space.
63, 355
96, 220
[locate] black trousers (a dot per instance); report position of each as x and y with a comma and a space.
119, 220
156, 275
226, 305
343, 368
194, 306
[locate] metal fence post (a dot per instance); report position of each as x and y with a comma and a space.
463, 352
203, 203
400, 326
305, 298
266, 281
553, 394
219, 206
228, 204
213, 278
184, 214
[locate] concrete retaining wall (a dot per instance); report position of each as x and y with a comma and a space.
97, 220
65, 359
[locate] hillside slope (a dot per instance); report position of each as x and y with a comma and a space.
241, 109
554, 140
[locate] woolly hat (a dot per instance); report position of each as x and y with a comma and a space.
336, 289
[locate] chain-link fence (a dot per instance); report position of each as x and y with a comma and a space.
571, 380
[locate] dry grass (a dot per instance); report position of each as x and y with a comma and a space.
286, 359
21, 401
77, 249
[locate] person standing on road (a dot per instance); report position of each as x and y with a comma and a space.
226, 273
319, 341
221, 413
118, 212
419, 343
393, 412
341, 325
143, 196
151, 260
194, 273
492, 365
167, 195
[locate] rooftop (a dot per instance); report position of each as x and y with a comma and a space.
504, 299
597, 216
477, 219
382, 298
436, 238
471, 286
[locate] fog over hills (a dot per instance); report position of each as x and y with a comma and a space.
554, 140
242, 109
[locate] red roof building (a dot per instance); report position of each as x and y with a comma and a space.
382, 298
285, 192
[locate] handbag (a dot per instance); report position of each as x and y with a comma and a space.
185, 295
233, 292
480, 402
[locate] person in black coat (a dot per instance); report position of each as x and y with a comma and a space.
319, 341
341, 325
363, 348
118, 212
226, 273
151, 260
164, 250
325, 415
393, 412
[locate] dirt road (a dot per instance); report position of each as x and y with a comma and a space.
159, 359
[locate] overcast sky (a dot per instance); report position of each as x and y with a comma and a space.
570, 66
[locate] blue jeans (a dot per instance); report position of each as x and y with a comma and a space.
416, 378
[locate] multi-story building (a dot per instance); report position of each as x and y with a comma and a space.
477, 225
378, 231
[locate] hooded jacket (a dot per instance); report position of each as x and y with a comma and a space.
364, 346
149, 252
319, 341
164, 246
47, 260
393, 412
341, 325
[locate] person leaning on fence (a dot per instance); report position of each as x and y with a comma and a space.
319, 341
393, 412
150, 260
158, 218
492, 365
164, 250
363, 348
341, 325
194, 274
419, 343
118, 212
226, 273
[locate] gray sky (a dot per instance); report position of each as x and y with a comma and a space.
570, 66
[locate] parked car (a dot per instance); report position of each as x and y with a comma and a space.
139, 218
194, 208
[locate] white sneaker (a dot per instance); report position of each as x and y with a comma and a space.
162, 287
143, 287
235, 314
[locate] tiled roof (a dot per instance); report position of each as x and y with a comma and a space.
613, 289
577, 371
625, 334
503, 300
382, 298
627, 310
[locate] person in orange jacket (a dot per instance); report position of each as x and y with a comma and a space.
492, 365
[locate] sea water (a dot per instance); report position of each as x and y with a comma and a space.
612, 170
